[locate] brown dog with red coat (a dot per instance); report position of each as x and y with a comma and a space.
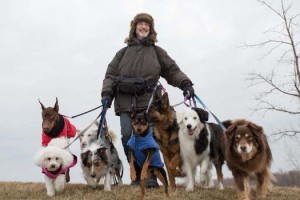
55, 125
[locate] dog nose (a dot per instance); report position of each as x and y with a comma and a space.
83, 145
243, 148
93, 174
189, 126
53, 165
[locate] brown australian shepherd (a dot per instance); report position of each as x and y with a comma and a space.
166, 134
247, 151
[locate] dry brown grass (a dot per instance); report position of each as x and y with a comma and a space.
21, 190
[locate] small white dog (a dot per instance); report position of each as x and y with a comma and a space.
55, 161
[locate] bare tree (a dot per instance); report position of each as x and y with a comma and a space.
284, 39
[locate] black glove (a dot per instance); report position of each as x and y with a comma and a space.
187, 88
106, 97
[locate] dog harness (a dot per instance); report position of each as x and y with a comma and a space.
54, 175
139, 143
64, 129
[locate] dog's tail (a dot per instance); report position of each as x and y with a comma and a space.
112, 135
271, 179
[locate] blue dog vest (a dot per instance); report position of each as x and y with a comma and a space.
140, 143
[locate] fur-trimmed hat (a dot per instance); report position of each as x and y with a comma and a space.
142, 17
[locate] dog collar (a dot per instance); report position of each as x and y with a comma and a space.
54, 175
58, 128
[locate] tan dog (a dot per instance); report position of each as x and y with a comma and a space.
166, 134
247, 151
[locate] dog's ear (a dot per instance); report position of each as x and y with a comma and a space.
203, 114
132, 115
165, 100
39, 157
67, 158
230, 132
56, 107
257, 132
102, 153
84, 157
97, 123
78, 131
179, 116
43, 107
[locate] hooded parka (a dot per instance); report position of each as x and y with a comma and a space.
140, 58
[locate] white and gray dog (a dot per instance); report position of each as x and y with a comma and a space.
99, 158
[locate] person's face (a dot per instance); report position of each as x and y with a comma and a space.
142, 30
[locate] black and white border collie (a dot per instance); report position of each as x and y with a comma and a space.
200, 144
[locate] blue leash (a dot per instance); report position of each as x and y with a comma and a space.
206, 108
102, 119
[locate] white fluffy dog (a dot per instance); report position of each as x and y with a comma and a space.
55, 161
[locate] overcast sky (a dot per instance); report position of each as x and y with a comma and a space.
61, 48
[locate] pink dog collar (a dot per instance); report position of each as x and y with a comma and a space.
62, 171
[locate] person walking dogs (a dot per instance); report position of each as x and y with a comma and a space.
134, 72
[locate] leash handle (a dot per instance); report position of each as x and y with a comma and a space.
206, 108
102, 118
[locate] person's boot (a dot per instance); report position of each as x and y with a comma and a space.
151, 182
138, 175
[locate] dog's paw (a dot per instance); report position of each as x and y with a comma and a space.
51, 194
209, 184
189, 188
94, 186
133, 176
107, 188
220, 186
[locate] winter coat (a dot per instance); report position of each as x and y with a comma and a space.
68, 131
139, 144
140, 59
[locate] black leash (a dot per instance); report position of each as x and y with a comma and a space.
83, 131
102, 118
83, 112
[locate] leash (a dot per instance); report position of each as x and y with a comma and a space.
82, 132
152, 96
184, 101
83, 112
206, 108
102, 118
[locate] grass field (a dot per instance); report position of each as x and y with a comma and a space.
23, 190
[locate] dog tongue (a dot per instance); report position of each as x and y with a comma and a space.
190, 132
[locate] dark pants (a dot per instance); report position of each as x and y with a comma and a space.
126, 129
